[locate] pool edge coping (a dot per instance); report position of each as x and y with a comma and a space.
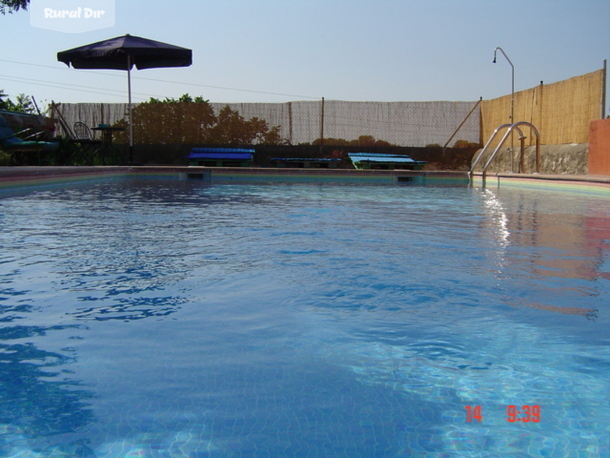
12, 177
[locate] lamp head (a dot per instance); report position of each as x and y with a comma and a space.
494, 61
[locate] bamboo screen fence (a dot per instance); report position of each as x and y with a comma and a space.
562, 111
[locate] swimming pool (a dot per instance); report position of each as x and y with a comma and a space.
184, 319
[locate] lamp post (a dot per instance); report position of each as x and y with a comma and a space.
512, 99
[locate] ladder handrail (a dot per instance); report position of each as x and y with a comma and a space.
476, 161
493, 155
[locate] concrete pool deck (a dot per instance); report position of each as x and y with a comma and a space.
18, 177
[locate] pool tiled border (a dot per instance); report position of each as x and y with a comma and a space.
589, 184
24, 177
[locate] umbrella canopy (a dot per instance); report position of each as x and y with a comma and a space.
123, 53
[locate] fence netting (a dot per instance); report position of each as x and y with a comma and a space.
560, 111
399, 123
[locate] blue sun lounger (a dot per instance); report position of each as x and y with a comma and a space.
18, 147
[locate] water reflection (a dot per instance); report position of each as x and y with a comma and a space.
498, 217
128, 309
550, 248
589, 314
114, 250
38, 397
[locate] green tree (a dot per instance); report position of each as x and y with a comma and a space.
183, 120
465, 144
231, 127
363, 140
330, 141
23, 104
13, 5
369, 140
185, 98
273, 137
193, 120
4, 104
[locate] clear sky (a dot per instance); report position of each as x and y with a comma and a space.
287, 50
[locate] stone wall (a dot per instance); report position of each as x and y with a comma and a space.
563, 159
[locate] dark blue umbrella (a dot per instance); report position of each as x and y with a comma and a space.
123, 53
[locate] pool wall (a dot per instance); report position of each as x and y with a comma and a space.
236, 175
25, 177
12, 177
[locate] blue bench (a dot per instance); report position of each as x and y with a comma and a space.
221, 157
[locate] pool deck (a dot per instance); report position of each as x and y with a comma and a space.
32, 176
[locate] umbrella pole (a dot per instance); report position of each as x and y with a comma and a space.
129, 110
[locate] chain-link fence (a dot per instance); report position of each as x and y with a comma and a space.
398, 123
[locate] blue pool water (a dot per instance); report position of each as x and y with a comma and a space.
179, 319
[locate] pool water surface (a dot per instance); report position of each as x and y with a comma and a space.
170, 318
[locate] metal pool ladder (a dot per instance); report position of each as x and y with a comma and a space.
522, 138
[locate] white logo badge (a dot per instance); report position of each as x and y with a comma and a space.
72, 16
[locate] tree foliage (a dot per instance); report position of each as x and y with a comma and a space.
11, 6
466, 144
185, 98
363, 140
23, 103
193, 120
232, 128
459, 144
